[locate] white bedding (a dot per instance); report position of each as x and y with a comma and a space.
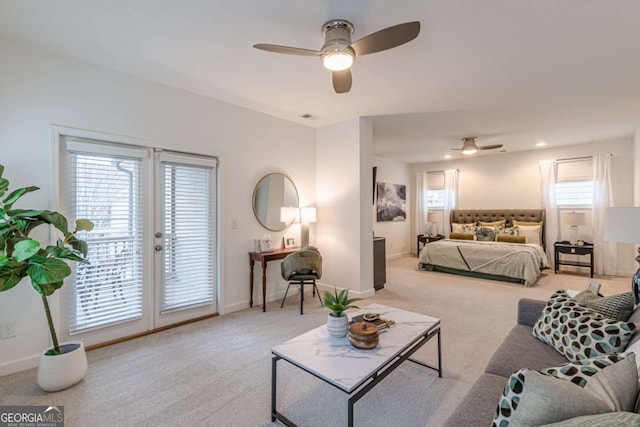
513, 260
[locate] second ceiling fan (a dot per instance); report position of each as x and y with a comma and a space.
469, 146
338, 53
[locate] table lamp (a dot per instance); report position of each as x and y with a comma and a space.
432, 217
623, 225
307, 215
574, 219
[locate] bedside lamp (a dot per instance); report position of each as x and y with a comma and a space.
432, 217
307, 215
574, 220
623, 225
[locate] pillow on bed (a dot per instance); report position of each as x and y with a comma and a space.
510, 239
510, 231
529, 223
485, 234
458, 228
500, 223
532, 233
461, 236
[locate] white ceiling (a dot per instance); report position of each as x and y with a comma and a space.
510, 72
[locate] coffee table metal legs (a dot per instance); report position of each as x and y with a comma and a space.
376, 377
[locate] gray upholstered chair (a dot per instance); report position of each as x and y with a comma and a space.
302, 268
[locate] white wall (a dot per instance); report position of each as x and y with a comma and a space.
344, 228
397, 234
512, 181
39, 89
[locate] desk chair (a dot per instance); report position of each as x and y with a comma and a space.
302, 268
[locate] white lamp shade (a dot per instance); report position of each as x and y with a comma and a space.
432, 216
575, 218
307, 215
622, 225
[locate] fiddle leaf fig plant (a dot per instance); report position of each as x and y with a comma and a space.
21, 256
338, 302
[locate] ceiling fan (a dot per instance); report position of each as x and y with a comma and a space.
338, 53
469, 146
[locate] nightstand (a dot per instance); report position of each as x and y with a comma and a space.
565, 247
427, 239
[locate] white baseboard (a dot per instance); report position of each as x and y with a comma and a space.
274, 296
399, 254
18, 365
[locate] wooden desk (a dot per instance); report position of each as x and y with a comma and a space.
264, 258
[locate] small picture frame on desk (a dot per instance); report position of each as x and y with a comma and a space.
289, 242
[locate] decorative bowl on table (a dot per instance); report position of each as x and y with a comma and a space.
363, 335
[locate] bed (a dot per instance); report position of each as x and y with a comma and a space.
510, 262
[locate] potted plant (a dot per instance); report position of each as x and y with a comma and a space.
337, 321
21, 256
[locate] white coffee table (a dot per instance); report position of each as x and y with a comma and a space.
351, 370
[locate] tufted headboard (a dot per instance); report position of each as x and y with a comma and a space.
465, 216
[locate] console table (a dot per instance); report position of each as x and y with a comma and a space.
565, 247
264, 258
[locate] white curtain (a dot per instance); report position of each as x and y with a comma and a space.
604, 253
450, 197
548, 170
422, 187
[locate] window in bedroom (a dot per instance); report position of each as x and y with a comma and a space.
436, 192
574, 183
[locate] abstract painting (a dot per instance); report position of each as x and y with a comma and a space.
392, 202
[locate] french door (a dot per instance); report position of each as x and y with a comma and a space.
152, 251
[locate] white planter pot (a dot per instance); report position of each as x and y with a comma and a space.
64, 370
337, 326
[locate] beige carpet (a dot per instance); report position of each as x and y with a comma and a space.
217, 372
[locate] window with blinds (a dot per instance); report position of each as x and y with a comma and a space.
106, 188
574, 183
188, 223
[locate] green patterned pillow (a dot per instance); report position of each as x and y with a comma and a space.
616, 307
507, 231
485, 234
534, 398
577, 332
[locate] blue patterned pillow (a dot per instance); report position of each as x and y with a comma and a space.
577, 332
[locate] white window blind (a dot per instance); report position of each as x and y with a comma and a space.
574, 186
105, 187
188, 223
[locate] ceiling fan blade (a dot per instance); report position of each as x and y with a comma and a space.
387, 38
288, 50
490, 147
342, 81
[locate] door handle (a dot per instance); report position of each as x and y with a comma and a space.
158, 248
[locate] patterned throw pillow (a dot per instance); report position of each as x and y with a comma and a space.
485, 234
577, 332
536, 398
616, 307
580, 371
458, 227
507, 231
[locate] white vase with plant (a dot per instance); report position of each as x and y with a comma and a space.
64, 364
337, 321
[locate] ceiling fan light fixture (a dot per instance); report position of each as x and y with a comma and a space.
469, 151
338, 60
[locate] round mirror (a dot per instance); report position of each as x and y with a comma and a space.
274, 191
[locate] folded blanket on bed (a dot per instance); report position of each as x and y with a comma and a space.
476, 256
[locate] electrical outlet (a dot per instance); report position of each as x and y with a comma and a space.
8, 330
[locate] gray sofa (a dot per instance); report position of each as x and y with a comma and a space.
519, 349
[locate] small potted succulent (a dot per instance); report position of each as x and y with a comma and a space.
337, 321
